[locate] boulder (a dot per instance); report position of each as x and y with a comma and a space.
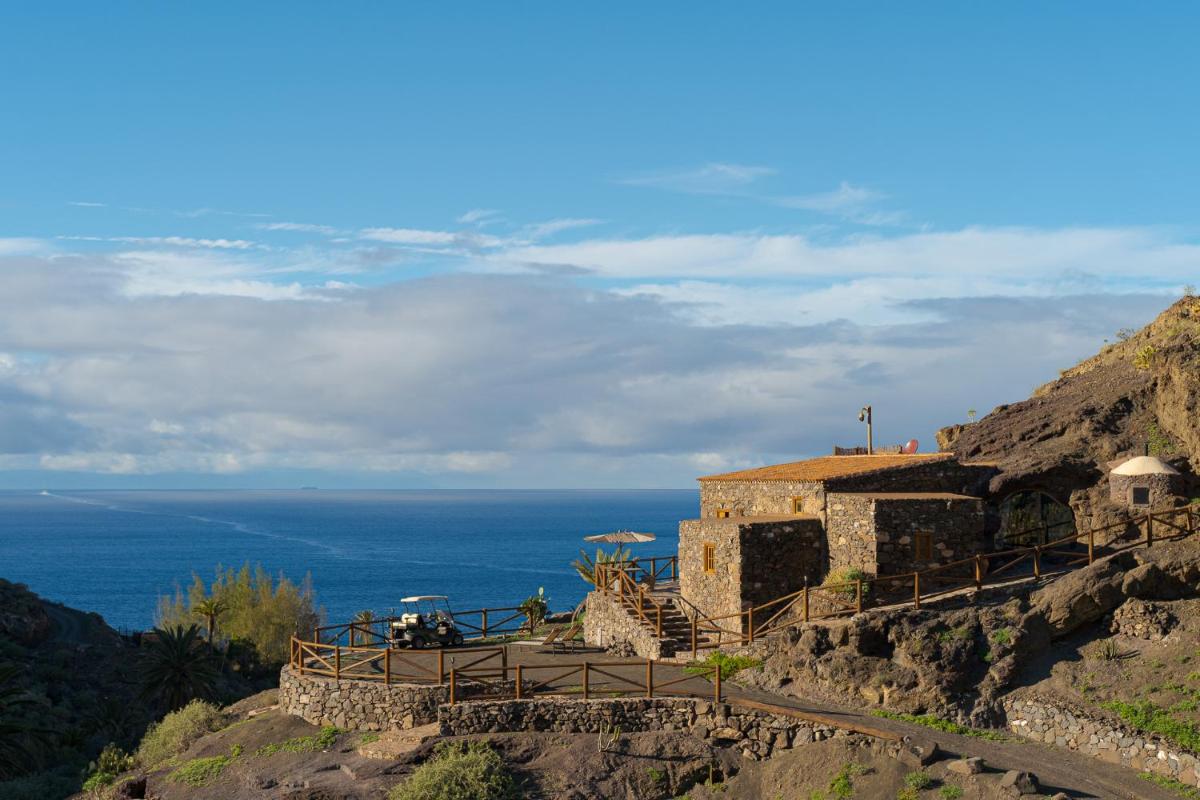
1017, 783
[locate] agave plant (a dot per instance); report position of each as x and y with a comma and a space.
585, 565
177, 668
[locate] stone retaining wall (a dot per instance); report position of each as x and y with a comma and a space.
359, 705
1110, 741
607, 623
758, 734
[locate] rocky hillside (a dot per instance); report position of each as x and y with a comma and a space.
1143, 391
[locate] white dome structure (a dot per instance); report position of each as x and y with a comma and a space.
1143, 482
1145, 465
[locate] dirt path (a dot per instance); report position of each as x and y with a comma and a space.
1056, 768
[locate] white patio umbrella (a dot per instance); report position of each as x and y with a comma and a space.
621, 537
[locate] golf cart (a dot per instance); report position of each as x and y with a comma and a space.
427, 619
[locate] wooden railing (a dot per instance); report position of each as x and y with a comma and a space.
618, 580
590, 680
476, 623
914, 588
389, 665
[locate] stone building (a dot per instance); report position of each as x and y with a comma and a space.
763, 533
1144, 482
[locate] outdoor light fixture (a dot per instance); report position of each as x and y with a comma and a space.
865, 416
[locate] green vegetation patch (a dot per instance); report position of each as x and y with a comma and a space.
729, 665
302, 744
201, 771
950, 792
939, 724
472, 772
1172, 785
841, 785
176, 732
1151, 718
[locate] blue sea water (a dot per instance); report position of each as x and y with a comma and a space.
115, 552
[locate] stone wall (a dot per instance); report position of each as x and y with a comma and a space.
755, 561
717, 593
875, 532
1144, 619
359, 705
760, 498
1107, 740
1163, 489
758, 734
777, 557
607, 623
955, 525
851, 533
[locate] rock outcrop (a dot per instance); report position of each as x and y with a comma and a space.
958, 663
1142, 392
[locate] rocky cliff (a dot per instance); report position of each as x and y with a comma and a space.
1140, 393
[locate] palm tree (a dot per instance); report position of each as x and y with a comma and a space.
585, 565
363, 618
210, 608
176, 668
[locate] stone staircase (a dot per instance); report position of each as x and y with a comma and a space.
675, 643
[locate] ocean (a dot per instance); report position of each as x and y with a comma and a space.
116, 552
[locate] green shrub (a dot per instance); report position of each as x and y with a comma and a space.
918, 780
939, 724
1002, 636
848, 575
1148, 717
111, 762
1171, 784
950, 792
473, 772
201, 771
729, 665
176, 732
1143, 359
907, 793
303, 744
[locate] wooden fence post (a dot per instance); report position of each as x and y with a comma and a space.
337, 662
453, 686
387, 667
1037, 561
693, 638
1091, 545
916, 590
1149, 530
518, 681
674, 568
649, 678
485, 623
441, 666
978, 572
806, 600
586, 668
750, 623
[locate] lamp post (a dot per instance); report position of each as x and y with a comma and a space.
865, 416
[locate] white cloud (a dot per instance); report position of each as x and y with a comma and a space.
83, 204
479, 216
21, 246
297, 227
711, 178
542, 230
170, 241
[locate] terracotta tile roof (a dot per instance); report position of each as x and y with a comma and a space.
827, 467
905, 495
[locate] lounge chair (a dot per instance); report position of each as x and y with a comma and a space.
569, 640
550, 639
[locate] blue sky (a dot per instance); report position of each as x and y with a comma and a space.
547, 244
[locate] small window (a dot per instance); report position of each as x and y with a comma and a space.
710, 557
1140, 495
722, 513
797, 505
923, 546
